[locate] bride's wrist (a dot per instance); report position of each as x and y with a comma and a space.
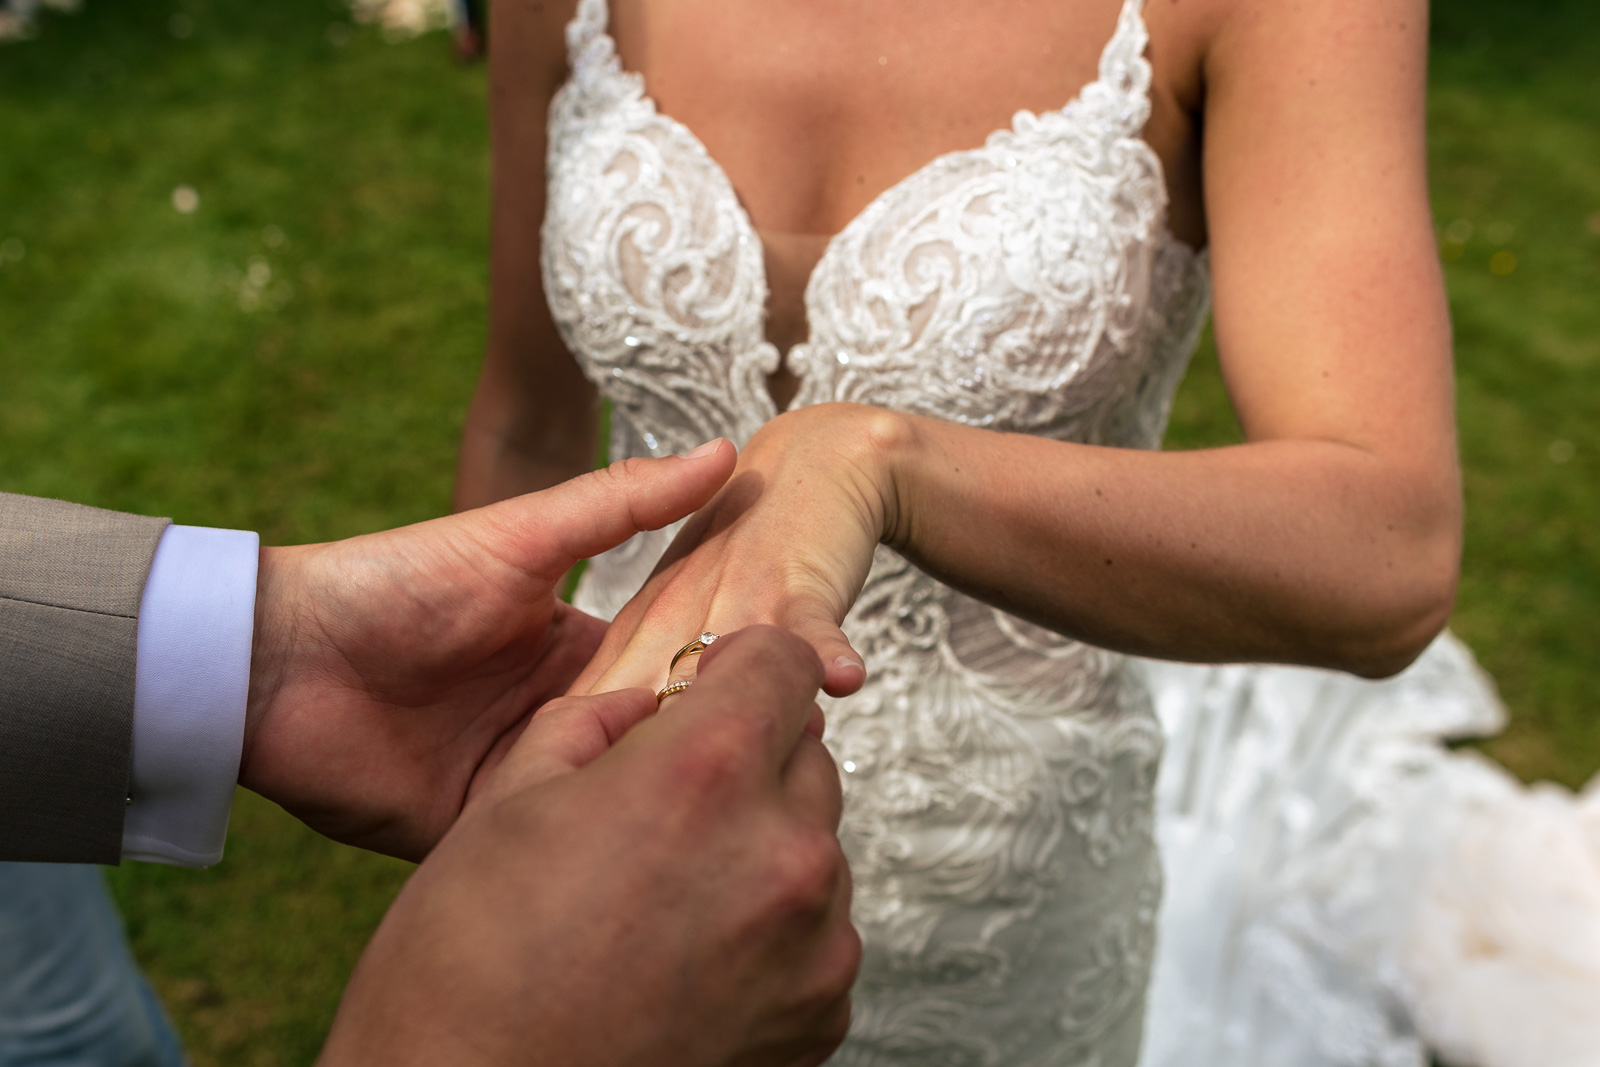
879, 447
899, 446
859, 448
918, 466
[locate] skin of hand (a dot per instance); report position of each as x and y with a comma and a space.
392, 672
630, 889
787, 542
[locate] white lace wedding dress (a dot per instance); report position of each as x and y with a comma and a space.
1000, 779
1344, 889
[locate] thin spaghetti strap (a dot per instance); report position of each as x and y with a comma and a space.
589, 23
1122, 93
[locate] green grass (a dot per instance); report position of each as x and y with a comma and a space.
144, 370
1516, 149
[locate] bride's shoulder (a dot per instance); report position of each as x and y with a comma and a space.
1266, 33
1201, 48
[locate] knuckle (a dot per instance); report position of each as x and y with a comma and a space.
625, 479
824, 1037
844, 959
719, 757
628, 470
556, 708
828, 1005
837, 1025
807, 879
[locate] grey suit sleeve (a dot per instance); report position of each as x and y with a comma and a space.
71, 579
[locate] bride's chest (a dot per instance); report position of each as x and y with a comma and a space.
1016, 285
838, 100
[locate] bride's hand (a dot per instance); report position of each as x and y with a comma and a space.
787, 541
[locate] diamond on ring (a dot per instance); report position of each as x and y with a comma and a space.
693, 648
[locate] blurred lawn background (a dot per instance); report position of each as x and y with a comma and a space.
294, 355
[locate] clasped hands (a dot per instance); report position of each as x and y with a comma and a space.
602, 883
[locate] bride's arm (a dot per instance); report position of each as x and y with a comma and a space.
1297, 551
1332, 537
534, 417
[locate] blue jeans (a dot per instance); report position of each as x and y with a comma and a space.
70, 993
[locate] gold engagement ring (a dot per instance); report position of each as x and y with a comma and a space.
693, 648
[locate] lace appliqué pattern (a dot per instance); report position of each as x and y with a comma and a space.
999, 778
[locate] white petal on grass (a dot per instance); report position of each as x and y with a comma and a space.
185, 200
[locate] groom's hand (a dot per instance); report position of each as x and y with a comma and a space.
392, 672
675, 898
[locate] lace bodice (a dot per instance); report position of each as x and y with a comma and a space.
999, 778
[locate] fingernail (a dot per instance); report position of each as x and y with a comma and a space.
849, 661
704, 450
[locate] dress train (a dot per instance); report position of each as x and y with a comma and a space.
1343, 890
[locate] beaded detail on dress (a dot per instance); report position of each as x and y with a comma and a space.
999, 778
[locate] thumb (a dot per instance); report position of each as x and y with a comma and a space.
566, 734
844, 672
551, 530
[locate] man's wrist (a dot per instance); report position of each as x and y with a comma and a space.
269, 653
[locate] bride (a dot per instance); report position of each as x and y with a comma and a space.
938, 271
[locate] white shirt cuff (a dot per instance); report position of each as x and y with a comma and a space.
193, 676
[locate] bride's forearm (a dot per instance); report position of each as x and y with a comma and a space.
1300, 551
494, 467
511, 444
